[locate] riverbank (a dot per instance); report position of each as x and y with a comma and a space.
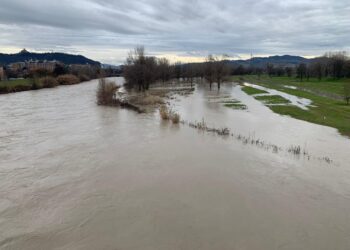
327, 108
27, 84
17, 85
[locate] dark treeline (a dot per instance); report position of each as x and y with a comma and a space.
141, 71
335, 65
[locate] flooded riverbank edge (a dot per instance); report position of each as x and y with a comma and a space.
325, 110
161, 96
32, 84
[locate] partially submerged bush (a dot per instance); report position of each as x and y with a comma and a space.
68, 79
84, 78
48, 82
146, 99
106, 92
175, 118
167, 114
164, 112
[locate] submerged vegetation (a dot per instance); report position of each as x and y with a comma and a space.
272, 99
249, 140
253, 91
168, 114
328, 107
235, 105
106, 92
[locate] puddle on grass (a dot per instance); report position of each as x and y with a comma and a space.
302, 103
290, 87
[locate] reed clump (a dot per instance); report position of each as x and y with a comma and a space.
106, 93
68, 79
167, 114
48, 82
164, 112
175, 118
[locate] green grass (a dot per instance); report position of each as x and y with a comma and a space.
272, 99
328, 87
328, 107
234, 104
239, 106
253, 91
15, 85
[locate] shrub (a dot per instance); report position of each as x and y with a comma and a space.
67, 79
84, 78
175, 118
36, 84
164, 112
146, 99
167, 114
48, 82
106, 92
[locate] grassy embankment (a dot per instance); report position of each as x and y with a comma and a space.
328, 107
18, 85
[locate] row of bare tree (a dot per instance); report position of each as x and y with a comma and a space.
335, 65
140, 71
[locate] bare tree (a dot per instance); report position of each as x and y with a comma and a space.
337, 63
301, 71
164, 69
149, 71
270, 68
318, 67
209, 72
289, 71
220, 70
133, 69
140, 70
191, 74
178, 71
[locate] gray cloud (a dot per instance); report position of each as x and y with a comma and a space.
106, 29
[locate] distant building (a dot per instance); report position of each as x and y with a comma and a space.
28, 66
2, 73
18, 66
46, 65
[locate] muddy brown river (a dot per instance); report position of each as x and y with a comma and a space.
74, 175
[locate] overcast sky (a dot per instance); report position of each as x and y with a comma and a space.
179, 29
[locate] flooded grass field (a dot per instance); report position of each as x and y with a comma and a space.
75, 175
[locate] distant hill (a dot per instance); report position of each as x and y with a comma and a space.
24, 55
285, 60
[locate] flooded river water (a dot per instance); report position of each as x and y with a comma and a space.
74, 175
